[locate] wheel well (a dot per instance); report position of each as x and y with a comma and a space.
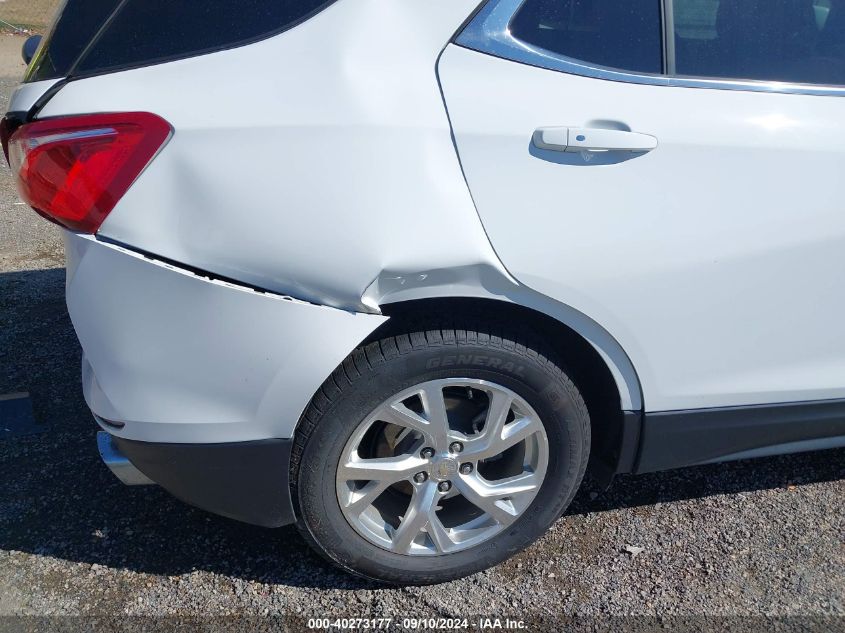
579, 358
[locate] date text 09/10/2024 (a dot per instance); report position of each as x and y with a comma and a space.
416, 624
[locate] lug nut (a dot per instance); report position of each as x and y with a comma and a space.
444, 486
456, 447
466, 469
427, 453
420, 477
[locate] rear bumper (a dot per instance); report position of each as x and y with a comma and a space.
246, 481
171, 357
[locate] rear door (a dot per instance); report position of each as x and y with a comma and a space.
674, 171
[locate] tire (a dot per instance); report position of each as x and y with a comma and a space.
375, 373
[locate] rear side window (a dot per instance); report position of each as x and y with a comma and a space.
93, 36
621, 34
75, 27
800, 41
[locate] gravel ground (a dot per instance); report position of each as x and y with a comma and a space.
755, 538
30, 14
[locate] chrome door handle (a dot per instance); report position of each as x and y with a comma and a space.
582, 139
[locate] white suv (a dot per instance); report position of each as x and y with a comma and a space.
394, 270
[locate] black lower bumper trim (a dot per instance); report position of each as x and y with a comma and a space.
247, 481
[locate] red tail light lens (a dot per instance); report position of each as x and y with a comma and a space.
74, 170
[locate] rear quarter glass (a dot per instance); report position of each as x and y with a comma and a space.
74, 27
90, 37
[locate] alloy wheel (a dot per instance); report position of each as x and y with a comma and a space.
442, 466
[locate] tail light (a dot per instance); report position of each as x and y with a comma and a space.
74, 170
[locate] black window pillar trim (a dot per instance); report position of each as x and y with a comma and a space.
667, 11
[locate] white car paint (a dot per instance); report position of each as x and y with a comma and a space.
711, 259
335, 180
182, 358
238, 199
313, 177
25, 96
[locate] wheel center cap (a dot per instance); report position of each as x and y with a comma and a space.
444, 468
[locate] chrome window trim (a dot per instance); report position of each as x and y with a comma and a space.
489, 33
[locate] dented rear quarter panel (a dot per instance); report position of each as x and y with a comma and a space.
315, 176
330, 176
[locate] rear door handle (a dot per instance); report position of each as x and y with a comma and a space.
583, 139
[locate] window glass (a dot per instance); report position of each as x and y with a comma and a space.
821, 9
73, 29
151, 30
142, 32
696, 19
623, 34
801, 41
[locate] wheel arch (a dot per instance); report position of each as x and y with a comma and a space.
592, 357
492, 282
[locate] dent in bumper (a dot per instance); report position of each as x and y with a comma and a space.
182, 358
